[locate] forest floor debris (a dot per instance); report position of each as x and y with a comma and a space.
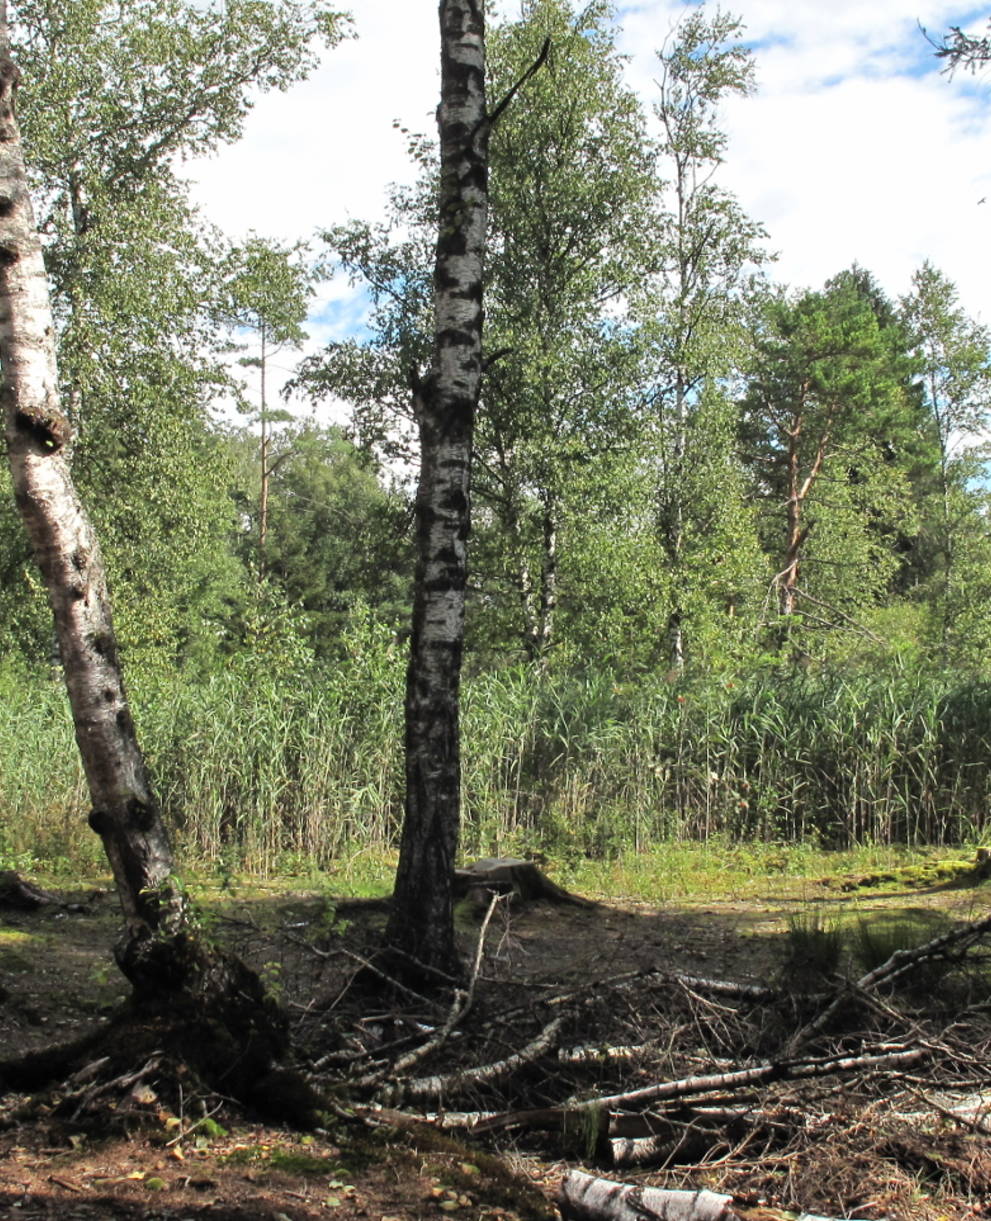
569, 1050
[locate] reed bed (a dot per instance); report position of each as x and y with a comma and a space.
265, 772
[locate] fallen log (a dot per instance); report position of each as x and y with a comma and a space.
19, 893
585, 1198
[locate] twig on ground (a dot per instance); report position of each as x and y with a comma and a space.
463, 999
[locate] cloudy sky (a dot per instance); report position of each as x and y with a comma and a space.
855, 148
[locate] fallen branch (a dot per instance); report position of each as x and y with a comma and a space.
558, 1116
592, 1053
452, 1083
904, 960
463, 999
633, 979
775, 1070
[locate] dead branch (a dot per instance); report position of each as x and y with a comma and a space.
496, 112
900, 962
453, 1083
556, 1117
599, 1054
781, 1070
905, 960
462, 1003
755, 993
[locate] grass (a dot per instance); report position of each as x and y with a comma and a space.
815, 948
873, 939
262, 774
721, 869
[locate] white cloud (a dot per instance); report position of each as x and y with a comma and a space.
855, 149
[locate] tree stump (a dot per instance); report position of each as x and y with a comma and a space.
507, 875
18, 893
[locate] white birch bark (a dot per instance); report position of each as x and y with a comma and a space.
584, 1198
125, 812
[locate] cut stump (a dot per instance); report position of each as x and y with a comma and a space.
508, 875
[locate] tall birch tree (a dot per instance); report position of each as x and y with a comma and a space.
420, 932
709, 254
445, 399
954, 381
572, 216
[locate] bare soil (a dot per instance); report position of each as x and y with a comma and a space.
859, 1146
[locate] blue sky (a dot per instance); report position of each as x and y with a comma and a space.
856, 147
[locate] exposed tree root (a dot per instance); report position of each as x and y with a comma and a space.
203, 1023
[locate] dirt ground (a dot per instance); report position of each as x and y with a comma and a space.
857, 1150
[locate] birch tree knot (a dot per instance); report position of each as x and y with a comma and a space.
50, 429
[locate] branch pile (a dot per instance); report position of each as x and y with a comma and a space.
677, 1073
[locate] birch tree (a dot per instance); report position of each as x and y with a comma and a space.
572, 216
420, 932
445, 398
710, 252
117, 94
954, 381
160, 951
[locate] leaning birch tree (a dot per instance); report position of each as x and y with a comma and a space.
160, 952
420, 932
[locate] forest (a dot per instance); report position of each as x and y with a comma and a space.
727, 538
669, 557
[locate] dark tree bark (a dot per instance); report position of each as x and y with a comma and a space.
161, 952
421, 927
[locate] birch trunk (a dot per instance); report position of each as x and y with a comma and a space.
421, 926
160, 952
125, 813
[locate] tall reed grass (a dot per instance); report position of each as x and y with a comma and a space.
261, 771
